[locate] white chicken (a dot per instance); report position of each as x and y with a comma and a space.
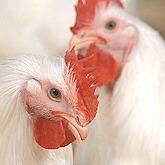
33, 27
130, 125
42, 109
36, 26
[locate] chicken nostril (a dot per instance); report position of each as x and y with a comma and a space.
80, 121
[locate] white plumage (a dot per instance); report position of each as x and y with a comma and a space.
130, 127
16, 141
31, 27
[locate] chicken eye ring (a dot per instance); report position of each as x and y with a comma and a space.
55, 94
111, 25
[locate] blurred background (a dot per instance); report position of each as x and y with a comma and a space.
153, 12
43, 26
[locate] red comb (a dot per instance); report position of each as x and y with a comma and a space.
87, 100
85, 10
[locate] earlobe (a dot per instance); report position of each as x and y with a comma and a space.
130, 31
33, 86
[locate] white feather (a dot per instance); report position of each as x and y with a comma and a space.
130, 127
36, 27
17, 143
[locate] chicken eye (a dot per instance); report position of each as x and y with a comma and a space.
54, 94
111, 25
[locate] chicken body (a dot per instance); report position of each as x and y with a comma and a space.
130, 126
35, 27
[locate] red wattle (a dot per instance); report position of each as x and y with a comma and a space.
100, 65
52, 134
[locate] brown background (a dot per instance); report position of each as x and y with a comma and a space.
153, 12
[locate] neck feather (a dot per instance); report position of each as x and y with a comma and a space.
137, 105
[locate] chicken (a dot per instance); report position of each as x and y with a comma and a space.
42, 109
130, 125
36, 26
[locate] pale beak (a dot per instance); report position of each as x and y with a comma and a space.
80, 132
79, 43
